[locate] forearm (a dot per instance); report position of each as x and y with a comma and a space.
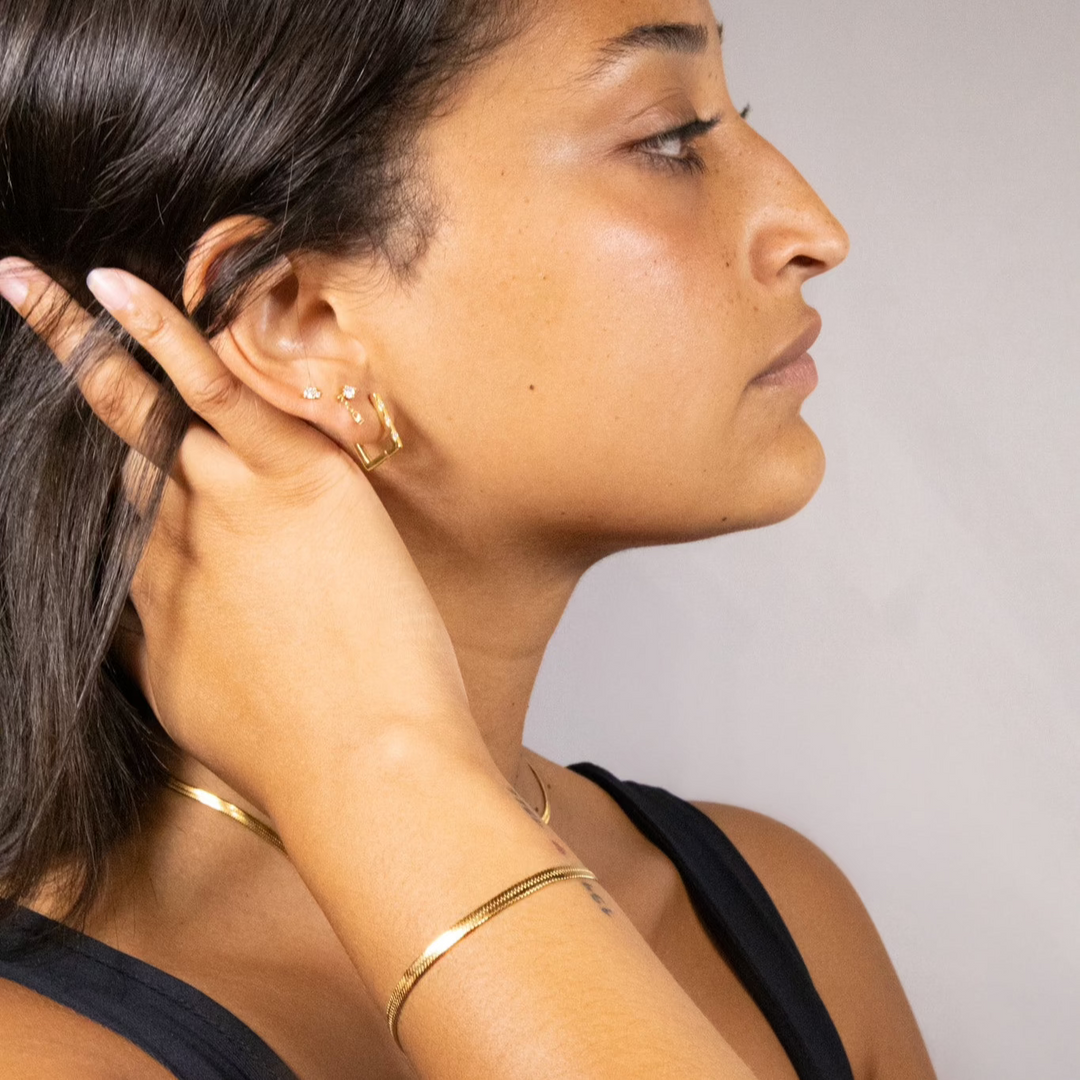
398, 845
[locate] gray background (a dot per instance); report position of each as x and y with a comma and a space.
893, 672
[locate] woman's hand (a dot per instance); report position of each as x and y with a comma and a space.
285, 623
289, 643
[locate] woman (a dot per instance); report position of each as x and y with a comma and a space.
492, 290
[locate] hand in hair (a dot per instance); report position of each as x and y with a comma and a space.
283, 617
291, 646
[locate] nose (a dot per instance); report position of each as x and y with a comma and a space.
794, 235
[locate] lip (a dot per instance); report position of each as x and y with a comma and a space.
795, 353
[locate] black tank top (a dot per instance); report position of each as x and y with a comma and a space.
196, 1039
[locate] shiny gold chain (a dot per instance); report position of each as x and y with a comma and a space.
545, 814
449, 938
264, 832
209, 799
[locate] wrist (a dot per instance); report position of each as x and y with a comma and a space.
400, 839
401, 760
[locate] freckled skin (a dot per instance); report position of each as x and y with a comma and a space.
570, 372
636, 302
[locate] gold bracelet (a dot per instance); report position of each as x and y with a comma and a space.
446, 941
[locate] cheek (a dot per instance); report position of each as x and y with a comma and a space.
603, 336
637, 309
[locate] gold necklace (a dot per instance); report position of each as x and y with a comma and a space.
545, 814
264, 832
208, 798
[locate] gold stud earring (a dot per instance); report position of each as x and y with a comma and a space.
312, 393
348, 393
370, 463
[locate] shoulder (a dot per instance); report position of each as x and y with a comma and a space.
798, 875
838, 940
40, 1038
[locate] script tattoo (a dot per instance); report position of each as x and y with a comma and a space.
523, 804
597, 898
536, 817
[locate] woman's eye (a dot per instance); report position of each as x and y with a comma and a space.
668, 145
673, 150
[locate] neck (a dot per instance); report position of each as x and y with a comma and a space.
500, 612
500, 616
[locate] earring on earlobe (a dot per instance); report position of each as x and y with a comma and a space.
348, 393
312, 393
370, 463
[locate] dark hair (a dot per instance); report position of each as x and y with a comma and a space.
127, 128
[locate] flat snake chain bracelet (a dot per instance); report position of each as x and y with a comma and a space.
447, 940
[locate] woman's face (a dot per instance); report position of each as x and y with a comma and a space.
576, 360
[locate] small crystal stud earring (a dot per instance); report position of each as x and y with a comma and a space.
312, 393
348, 393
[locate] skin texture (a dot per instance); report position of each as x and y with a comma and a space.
572, 373
582, 334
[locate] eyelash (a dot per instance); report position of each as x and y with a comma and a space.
693, 162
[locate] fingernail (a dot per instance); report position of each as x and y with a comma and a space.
14, 287
110, 288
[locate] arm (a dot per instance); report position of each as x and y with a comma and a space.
365, 755
552, 987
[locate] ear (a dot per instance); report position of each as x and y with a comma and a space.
288, 344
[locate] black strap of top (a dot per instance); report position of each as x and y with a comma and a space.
741, 919
197, 1039
193, 1036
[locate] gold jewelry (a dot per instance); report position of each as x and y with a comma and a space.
446, 941
207, 798
347, 394
312, 393
388, 428
545, 814
264, 832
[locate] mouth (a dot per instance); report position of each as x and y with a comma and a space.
794, 366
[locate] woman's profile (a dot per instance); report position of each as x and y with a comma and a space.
341, 338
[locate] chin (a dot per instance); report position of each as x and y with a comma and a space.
791, 478
772, 485
784, 481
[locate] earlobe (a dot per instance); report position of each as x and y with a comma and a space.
370, 464
391, 438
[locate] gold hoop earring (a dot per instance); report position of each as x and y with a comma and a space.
371, 463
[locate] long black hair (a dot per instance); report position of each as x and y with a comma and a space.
127, 128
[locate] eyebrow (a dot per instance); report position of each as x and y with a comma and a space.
687, 38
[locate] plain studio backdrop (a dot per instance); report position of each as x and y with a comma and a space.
894, 671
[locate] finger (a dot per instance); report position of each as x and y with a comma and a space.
239, 416
115, 385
